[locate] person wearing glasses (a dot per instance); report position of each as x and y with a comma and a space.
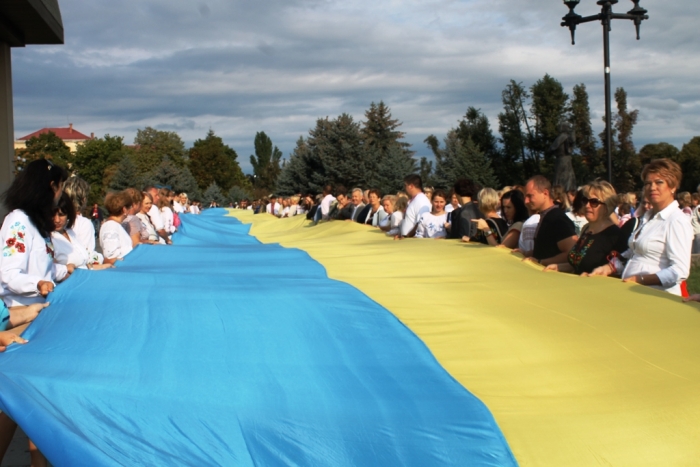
659, 248
601, 238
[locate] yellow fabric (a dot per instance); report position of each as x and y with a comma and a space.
576, 371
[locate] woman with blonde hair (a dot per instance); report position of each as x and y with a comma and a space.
659, 248
601, 238
492, 228
398, 211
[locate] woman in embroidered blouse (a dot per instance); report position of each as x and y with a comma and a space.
27, 270
114, 240
67, 246
166, 212
601, 238
659, 248
432, 224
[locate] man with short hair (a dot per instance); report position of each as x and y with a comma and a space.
461, 218
338, 211
555, 234
326, 202
356, 204
417, 206
273, 207
154, 215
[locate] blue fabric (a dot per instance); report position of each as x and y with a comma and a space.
4, 316
222, 351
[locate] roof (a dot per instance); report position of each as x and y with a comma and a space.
24, 22
66, 134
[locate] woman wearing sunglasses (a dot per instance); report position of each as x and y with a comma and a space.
659, 248
600, 238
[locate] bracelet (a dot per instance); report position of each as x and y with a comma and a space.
488, 232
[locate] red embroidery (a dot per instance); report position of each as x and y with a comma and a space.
10, 241
20, 247
20, 234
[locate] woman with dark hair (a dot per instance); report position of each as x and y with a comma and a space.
432, 224
78, 190
515, 213
27, 270
67, 246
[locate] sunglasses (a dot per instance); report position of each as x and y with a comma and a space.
594, 202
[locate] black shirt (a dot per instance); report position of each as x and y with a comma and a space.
554, 227
498, 226
461, 220
592, 250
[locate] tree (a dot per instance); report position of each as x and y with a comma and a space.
213, 193
514, 127
626, 165
659, 151
153, 145
96, 161
337, 153
296, 172
212, 161
589, 165
475, 126
394, 167
45, 146
265, 162
425, 170
237, 193
549, 106
178, 179
460, 159
690, 164
126, 175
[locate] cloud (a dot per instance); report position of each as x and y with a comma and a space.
242, 66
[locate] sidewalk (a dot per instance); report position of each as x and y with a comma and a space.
18, 453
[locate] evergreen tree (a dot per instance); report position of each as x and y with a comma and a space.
475, 126
337, 151
178, 179
96, 161
265, 162
213, 193
126, 175
295, 174
45, 146
460, 159
514, 127
212, 161
425, 171
392, 170
625, 161
549, 106
237, 193
589, 165
153, 145
658, 151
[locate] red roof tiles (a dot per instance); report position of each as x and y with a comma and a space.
64, 133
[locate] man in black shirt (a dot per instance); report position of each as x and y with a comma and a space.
556, 234
461, 218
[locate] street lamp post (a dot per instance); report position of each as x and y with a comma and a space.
606, 15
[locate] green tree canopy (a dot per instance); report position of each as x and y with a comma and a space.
45, 146
213, 193
126, 175
153, 145
265, 162
212, 161
96, 161
460, 159
549, 107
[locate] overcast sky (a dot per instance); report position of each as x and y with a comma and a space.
242, 66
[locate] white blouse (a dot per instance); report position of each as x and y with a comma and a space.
661, 245
84, 232
69, 251
167, 216
27, 258
396, 219
114, 240
432, 226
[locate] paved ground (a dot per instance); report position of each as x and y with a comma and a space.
18, 453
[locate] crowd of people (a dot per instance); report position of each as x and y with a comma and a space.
646, 237
49, 232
